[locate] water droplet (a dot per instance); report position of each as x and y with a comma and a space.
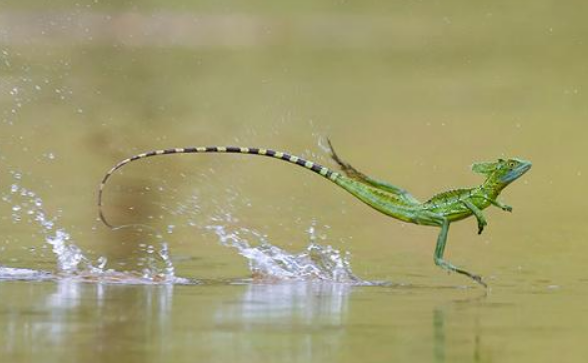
101, 261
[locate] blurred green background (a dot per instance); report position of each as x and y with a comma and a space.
411, 92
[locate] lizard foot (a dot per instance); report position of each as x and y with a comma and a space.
449, 267
481, 227
474, 277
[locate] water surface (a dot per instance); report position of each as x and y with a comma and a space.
248, 259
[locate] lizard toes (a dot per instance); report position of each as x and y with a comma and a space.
479, 280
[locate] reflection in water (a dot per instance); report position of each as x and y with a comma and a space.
327, 301
439, 334
306, 322
37, 318
442, 321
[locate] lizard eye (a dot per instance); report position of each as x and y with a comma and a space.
511, 164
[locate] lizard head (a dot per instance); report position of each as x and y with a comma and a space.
503, 172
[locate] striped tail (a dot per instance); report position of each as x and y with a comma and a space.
319, 169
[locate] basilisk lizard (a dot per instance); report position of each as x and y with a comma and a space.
439, 211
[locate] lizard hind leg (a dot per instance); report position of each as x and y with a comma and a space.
440, 250
349, 170
357, 175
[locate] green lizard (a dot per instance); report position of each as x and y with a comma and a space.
440, 211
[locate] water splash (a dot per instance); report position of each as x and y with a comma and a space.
268, 263
72, 263
271, 263
29, 206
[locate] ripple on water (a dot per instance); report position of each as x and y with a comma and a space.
10, 273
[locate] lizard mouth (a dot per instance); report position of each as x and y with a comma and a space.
517, 172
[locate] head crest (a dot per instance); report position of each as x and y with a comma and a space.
484, 168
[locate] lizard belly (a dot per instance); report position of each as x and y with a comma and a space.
452, 206
459, 211
458, 215
453, 212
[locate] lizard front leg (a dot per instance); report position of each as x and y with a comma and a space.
494, 202
504, 207
478, 213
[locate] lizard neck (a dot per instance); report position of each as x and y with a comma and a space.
491, 188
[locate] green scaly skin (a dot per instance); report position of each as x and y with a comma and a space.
440, 211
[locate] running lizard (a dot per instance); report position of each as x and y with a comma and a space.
440, 210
